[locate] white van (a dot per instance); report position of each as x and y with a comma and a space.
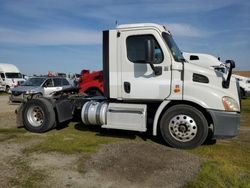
244, 84
9, 77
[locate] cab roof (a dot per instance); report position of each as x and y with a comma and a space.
142, 25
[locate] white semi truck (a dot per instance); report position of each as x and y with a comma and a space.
146, 79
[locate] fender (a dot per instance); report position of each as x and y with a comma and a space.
157, 115
166, 102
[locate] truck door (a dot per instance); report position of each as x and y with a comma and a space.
2, 76
138, 78
48, 87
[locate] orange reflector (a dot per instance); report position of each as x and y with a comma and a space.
177, 89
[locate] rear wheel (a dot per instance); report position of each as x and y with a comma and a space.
38, 115
183, 126
7, 89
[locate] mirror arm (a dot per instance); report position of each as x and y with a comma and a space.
226, 83
157, 70
152, 66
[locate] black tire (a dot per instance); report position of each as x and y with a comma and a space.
184, 127
38, 115
7, 89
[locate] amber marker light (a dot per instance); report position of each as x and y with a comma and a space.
177, 89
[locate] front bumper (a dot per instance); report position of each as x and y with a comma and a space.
2, 88
226, 124
17, 98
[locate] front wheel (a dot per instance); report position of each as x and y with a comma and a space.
38, 115
183, 126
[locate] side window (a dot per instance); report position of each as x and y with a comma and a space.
57, 82
65, 82
2, 75
48, 83
136, 50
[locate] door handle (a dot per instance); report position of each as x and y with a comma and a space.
126, 87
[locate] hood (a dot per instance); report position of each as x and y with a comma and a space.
204, 60
209, 80
16, 80
25, 88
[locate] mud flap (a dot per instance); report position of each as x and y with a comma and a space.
19, 117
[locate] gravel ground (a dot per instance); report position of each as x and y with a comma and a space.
5, 106
141, 164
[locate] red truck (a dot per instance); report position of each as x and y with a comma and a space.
91, 83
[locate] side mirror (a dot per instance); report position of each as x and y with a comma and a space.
231, 65
150, 55
149, 49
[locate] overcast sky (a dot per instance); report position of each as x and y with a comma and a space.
65, 35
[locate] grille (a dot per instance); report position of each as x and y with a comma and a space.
17, 93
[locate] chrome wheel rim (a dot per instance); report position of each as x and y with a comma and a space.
35, 116
183, 128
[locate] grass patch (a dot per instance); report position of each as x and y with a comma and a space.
216, 174
11, 134
12, 131
245, 105
79, 138
245, 116
3, 93
227, 164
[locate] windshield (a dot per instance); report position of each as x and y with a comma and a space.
177, 54
34, 82
13, 75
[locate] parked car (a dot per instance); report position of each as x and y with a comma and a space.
38, 86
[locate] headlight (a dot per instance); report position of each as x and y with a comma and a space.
31, 92
230, 104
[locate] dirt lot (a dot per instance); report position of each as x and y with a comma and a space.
127, 163
7, 112
5, 106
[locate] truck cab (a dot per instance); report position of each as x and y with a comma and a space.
143, 64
